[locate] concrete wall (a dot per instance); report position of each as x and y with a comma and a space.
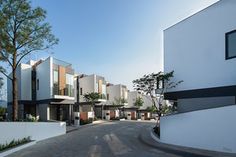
195, 48
87, 84
26, 85
116, 92
186, 105
36, 130
212, 129
132, 96
44, 75
9, 85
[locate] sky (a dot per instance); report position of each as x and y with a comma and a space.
118, 39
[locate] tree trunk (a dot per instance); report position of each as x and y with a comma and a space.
14, 96
14, 89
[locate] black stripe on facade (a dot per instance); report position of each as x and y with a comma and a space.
201, 93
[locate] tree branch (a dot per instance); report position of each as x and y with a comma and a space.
5, 58
6, 75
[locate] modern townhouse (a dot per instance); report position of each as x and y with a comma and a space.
91, 84
46, 89
201, 49
133, 112
117, 96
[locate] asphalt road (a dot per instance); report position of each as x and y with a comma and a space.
103, 140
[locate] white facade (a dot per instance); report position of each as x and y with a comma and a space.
91, 83
44, 76
212, 129
115, 92
195, 48
133, 95
36, 95
23, 73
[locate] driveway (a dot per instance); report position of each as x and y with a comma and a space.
103, 140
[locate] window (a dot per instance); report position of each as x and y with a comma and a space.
107, 96
37, 84
230, 44
69, 91
55, 82
81, 91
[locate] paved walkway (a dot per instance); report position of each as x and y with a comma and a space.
110, 139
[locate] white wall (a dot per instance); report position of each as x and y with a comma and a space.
87, 84
212, 129
116, 92
147, 102
44, 74
132, 96
23, 74
195, 48
36, 130
26, 82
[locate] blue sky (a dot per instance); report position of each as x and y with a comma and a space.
118, 39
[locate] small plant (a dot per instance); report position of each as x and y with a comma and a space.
115, 118
30, 118
156, 130
14, 143
84, 122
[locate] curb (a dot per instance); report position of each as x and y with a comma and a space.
85, 126
13, 150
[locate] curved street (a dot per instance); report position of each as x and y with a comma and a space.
119, 138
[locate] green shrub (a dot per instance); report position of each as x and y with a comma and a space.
88, 121
14, 143
115, 118
156, 130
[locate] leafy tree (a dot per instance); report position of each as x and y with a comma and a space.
92, 98
23, 30
151, 109
139, 102
155, 84
2, 110
119, 101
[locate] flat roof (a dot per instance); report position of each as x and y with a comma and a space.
192, 15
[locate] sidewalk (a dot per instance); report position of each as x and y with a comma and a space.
73, 128
146, 138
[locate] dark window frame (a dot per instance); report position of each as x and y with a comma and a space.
37, 83
226, 45
81, 91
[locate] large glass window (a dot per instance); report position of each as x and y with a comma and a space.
231, 44
69, 85
55, 82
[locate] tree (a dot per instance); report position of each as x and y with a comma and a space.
22, 31
138, 102
119, 101
92, 98
154, 85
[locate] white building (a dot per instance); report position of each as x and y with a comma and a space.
138, 112
201, 50
117, 96
90, 84
45, 89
